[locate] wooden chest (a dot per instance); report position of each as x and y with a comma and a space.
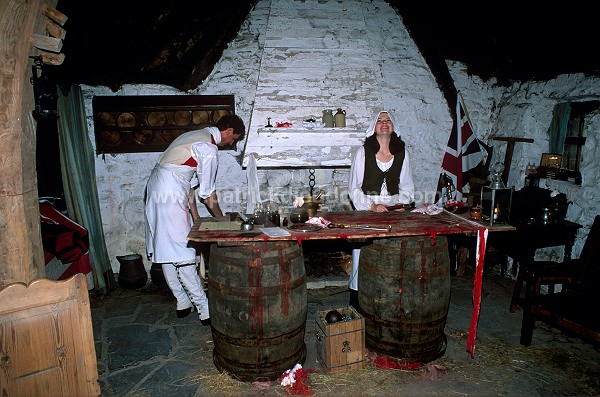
341, 345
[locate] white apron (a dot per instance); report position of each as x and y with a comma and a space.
167, 205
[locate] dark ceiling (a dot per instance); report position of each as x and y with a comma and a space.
172, 42
528, 42
177, 43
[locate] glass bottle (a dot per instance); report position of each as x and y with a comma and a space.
259, 215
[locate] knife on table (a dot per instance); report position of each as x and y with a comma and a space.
366, 227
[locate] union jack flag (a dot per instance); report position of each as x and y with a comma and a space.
463, 152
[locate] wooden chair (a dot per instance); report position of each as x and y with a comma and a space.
576, 308
548, 273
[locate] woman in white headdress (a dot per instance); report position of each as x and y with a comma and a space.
380, 176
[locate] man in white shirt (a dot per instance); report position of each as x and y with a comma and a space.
190, 162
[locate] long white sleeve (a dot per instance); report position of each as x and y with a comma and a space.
206, 156
360, 200
406, 186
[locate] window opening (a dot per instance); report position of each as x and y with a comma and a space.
567, 137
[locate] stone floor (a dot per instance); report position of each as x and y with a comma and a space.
144, 350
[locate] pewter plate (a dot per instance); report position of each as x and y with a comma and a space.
305, 227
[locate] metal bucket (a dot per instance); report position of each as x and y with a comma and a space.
404, 295
132, 273
258, 307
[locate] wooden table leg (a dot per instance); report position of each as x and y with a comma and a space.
523, 276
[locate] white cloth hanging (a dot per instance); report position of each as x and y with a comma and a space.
253, 186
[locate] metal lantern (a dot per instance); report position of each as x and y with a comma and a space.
496, 198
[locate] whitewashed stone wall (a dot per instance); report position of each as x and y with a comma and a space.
525, 110
366, 61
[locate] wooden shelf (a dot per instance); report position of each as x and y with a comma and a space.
132, 124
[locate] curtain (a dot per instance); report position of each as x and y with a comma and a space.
79, 183
558, 127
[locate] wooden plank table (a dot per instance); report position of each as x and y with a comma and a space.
400, 224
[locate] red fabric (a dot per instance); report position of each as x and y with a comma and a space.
191, 162
463, 152
481, 243
299, 387
81, 265
65, 239
384, 362
64, 243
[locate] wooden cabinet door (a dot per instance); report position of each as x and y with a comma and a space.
46, 339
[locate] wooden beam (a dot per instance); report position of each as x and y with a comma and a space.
20, 237
54, 14
509, 152
50, 58
55, 31
46, 42
512, 139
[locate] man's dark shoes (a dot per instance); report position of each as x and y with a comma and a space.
205, 322
184, 312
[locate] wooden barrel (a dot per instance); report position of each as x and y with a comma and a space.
404, 295
258, 305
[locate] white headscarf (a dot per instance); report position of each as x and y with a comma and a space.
371, 129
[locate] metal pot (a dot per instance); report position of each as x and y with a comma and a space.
299, 215
312, 204
247, 225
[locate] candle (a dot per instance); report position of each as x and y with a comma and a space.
475, 213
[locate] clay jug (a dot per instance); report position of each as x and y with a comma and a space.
328, 118
340, 118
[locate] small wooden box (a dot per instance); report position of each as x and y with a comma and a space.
341, 345
551, 160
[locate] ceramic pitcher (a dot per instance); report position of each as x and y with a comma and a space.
340, 118
328, 118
